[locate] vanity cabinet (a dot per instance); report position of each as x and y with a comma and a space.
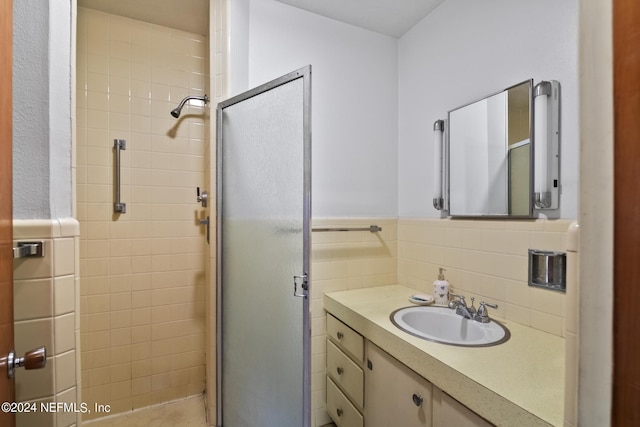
367, 387
395, 395
345, 374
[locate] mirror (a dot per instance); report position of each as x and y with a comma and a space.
490, 155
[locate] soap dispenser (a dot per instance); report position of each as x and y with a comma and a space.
441, 289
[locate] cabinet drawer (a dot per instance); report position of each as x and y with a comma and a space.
345, 373
346, 338
341, 410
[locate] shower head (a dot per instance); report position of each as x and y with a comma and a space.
176, 111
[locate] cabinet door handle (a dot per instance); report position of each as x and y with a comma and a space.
339, 335
339, 412
340, 370
417, 399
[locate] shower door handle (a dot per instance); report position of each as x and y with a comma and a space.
304, 285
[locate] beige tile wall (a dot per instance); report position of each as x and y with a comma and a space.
219, 50
46, 314
342, 261
487, 260
143, 272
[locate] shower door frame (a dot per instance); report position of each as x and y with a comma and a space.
303, 73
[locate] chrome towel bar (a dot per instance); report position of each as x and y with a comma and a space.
371, 228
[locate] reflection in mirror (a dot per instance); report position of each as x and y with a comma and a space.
490, 155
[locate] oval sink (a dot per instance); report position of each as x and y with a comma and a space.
443, 325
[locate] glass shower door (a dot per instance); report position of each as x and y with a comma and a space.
264, 193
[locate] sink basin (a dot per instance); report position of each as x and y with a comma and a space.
443, 325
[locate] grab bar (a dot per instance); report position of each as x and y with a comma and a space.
118, 145
371, 228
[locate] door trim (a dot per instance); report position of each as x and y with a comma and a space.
626, 91
7, 386
305, 74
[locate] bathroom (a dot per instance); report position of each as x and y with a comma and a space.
372, 118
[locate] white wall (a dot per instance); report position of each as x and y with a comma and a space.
42, 109
354, 101
466, 50
238, 79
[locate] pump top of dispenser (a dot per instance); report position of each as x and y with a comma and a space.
441, 274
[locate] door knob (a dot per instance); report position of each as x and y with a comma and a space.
417, 399
34, 359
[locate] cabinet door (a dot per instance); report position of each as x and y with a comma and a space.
449, 412
394, 394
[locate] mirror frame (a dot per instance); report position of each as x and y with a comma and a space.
530, 215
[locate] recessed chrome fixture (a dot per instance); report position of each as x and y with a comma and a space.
548, 269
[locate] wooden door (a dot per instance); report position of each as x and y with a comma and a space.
6, 206
626, 322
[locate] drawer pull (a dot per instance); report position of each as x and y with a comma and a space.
339, 412
339, 335
417, 399
340, 370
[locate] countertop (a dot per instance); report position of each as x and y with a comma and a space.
517, 383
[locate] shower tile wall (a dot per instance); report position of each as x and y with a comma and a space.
143, 272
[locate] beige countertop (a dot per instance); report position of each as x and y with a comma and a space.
520, 382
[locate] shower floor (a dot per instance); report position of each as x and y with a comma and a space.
184, 413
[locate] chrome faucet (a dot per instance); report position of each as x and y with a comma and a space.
461, 306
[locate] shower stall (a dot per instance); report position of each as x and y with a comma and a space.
143, 265
148, 269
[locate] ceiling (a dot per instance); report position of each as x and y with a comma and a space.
390, 17
186, 15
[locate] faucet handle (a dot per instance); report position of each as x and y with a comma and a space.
482, 315
454, 304
202, 198
472, 309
